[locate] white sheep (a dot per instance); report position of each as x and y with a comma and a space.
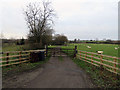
116, 48
88, 47
100, 52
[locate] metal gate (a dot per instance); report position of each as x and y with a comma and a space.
58, 51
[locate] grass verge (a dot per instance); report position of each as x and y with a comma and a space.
16, 69
101, 78
60, 58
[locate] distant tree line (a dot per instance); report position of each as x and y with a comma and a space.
108, 41
20, 42
47, 40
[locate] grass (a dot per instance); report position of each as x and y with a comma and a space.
16, 69
101, 78
60, 58
52, 46
12, 47
108, 49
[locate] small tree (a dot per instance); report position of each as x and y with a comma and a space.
47, 37
22, 41
60, 40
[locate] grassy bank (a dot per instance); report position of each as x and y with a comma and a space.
12, 47
16, 69
60, 58
101, 78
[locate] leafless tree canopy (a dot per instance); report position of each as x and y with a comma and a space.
39, 18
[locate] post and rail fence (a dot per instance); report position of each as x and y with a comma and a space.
15, 57
109, 63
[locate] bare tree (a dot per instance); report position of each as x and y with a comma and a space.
39, 18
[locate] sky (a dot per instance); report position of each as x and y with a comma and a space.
80, 19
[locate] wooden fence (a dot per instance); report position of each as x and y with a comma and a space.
15, 57
109, 63
58, 51
69, 51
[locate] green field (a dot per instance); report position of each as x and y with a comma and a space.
12, 47
108, 49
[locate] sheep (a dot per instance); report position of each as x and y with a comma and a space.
88, 47
116, 48
100, 52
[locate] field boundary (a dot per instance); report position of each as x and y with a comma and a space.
16, 57
109, 63
104, 61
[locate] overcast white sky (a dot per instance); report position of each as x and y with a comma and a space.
83, 19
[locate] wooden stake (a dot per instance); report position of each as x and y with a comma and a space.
7, 59
92, 58
86, 56
20, 57
46, 51
115, 64
101, 66
80, 54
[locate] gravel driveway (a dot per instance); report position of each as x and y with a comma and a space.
54, 74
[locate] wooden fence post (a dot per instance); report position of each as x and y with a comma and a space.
46, 51
101, 57
92, 58
20, 57
86, 56
86, 59
67, 51
80, 54
7, 59
29, 56
115, 64
60, 51
92, 55
101, 66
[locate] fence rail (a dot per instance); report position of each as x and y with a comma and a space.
15, 57
107, 62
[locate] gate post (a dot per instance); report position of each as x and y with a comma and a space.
75, 51
7, 59
46, 50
